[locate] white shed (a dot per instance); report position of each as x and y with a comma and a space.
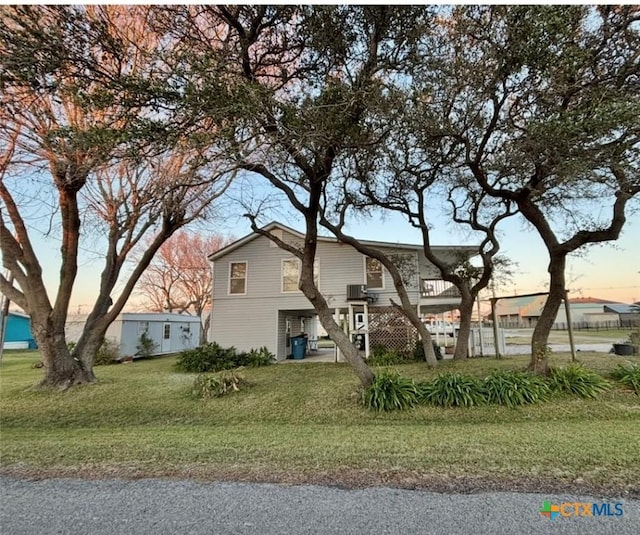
170, 333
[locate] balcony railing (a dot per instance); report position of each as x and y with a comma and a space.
437, 288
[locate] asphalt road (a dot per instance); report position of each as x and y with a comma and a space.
69, 506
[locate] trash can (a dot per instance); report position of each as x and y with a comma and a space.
299, 347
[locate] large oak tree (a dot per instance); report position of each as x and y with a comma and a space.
543, 103
84, 138
303, 84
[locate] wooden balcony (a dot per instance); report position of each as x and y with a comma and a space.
437, 289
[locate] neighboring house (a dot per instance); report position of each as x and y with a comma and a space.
256, 300
170, 333
585, 312
519, 311
628, 315
18, 333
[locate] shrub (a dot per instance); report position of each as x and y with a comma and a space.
108, 353
452, 390
578, 381
511, 388
628, 376
207, 386
207, 358
386, 358
214, 358
390, 391
418, 352
258, 357
146, 346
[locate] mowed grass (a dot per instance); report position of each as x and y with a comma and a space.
305, 422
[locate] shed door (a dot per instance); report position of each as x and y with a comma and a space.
166, 338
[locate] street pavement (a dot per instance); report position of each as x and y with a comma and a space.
72, 506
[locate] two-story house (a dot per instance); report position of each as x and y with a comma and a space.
256, 300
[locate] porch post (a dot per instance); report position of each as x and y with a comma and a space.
366, 331
338, 355
480, 327
494, 316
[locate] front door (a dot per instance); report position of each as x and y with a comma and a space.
166, 338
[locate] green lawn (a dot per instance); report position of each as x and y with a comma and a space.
303, 422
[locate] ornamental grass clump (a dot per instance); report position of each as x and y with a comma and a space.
390, 391
452, 390
207, 386
578, 381
628, 376
513, 388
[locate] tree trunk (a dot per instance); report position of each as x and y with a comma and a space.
539, 352
409, 312
462, 343
427, 343
86, 351
341, 339
204, 333
335, 332
61, 370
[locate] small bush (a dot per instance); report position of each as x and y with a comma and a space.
214, 358
628, 376
511, 388
207, 358
452, 390
207, 386
389, 391
418, 352
146, 346
108, 353
386, 358
578, 381
258, 357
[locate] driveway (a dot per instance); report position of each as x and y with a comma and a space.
69, 506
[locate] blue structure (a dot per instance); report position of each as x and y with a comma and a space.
18, 332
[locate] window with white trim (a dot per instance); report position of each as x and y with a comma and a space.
237, 278
374, 273
291, 270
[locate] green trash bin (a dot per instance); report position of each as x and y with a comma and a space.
299, 347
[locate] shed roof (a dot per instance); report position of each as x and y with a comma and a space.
621, 308
591, 300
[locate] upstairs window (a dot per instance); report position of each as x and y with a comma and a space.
238, 278
290, 275
291, 269
375, 273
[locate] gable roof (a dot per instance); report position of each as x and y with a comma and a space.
274, 225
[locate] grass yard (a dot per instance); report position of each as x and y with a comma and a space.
303, 423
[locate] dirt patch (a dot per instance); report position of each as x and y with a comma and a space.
347, 479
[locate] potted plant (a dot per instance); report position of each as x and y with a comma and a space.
629, 346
